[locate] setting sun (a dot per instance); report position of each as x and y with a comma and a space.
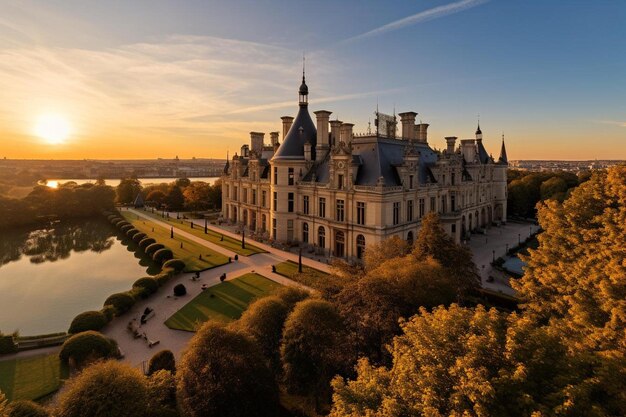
52, 128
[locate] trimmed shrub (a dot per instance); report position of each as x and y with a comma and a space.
145, 242
162, 255
122, 223
132, 232
125, 228
163, 360
163, 277
112, 217
7, 344
175, 264
180, 290
121, 301
148, 284
24, 408
150, 249
89, 320
139, 237
87, 346
108, 312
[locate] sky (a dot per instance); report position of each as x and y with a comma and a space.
155, 78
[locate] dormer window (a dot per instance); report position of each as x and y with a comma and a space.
340, 181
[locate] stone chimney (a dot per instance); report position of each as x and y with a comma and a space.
408, 122
422, 135
335, 126
256, 142
345, 132
322, 126
451, 142
468, 147
274, 138
287, 121
245, 151
307, 151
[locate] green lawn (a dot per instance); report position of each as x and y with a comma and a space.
223, 302
289, 269
189, 253
31, 378
311, 277
212, 236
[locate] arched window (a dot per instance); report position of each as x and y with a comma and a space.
340, 243
305, 232
360, 246
321, 237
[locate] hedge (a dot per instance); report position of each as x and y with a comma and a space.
132, 232
152, 248
149, 284
87, 345
121, 223
26, 408
108, 312
180, 290
175, 264
121, 301
125, 228
112, 217
163, 277
162, 255
144, 243
162, 360
89, 320
7, 345
139, 237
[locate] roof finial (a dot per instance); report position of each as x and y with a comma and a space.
303, 65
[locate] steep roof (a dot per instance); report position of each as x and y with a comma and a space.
483, 156
302, 131
503, 158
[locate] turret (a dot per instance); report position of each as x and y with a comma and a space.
503, 158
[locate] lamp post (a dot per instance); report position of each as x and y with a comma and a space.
243, 239
300, 261
206, 229
172, 232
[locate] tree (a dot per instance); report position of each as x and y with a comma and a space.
264, 320
3, 404
156, 197
311, 349
175, 199
86, 347
127, 190
378, 253
553, 188
433, 242
105, 389
223, 373
182, 182
162, 360
197, 195
162, 391
25, 408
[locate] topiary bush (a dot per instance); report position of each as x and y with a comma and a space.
108, 312
89, 320
163, 277
139, 237
125, 228
145, 242
175, 264
132, 232
149, 285
121, 223
87, 346
121, 301
150, 249
162, 360
180, 290
24, 408
162, 255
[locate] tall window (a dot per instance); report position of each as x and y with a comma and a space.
409, 211
227, 191
411, 182
305, 232
263, 223
360, 246
244, 193
305, 204
340, 211
263, 198
290, 177
321, 237
275, 175
452, 178
253, 196
290, 202
360, 212
444, 206
322, 207
275, 201
340, 181
422, 208
340, 244
235, 193
274, 228
289, 230
433, 204
396, 213
452, 202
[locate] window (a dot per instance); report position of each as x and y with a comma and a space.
340, 211
452, 202
275, 175
360, 246
453, 228
254, 197
290, 202
360, 212
244, 193
263, 223
305, 232
263, 198
433, 204
340, 181
444, 206
421, 208
275, 201
340, 244
321, 237
274, 228
396, 213
443, 181
322, 207
409, 211
410, 182
235, 194
290, 177
289, 230
305, 204
409, 238
452, 178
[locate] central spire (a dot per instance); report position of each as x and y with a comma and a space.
304, 90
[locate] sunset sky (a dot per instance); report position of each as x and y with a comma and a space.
146, 79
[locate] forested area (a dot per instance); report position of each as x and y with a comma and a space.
182, 194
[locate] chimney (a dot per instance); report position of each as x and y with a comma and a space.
287, 121
451, 142
422, 135
307, 151
335, 125
256, 142
408, 122
468, 147
322, 126
345, 132
245, 151
274, 138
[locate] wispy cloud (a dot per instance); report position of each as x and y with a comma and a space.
611, 122
423, 16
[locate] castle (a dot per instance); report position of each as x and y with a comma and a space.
336, 192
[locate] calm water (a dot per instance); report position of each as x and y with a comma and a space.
49, 275
114, 182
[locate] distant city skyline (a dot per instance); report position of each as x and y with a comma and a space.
147, 79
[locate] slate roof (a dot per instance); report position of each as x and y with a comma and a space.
302, 130
483, 156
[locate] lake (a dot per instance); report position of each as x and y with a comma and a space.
114, 182
49, 275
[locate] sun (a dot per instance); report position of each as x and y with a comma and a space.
52, 128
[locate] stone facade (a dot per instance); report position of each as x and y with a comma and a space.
337, 192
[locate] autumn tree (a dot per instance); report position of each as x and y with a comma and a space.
156, 196
377, 253
105, 389
197, 195
223, 373
174, 199
127, 190
553, 188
